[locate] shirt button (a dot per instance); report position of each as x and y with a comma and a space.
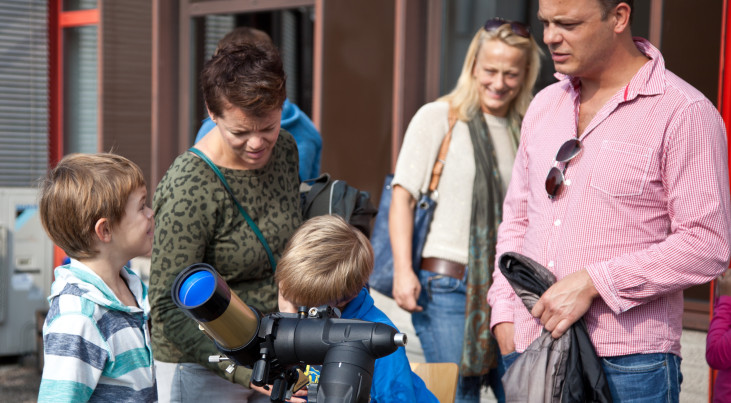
557, 223
550, 264
567, 182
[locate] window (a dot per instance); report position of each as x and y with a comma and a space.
80, 89
74, 77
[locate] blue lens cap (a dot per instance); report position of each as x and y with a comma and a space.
197, 288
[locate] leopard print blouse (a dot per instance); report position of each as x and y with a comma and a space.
196, 221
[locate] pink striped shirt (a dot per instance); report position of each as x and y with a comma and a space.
645, 207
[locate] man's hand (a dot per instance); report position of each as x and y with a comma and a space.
406, 290
565, 302
504, 334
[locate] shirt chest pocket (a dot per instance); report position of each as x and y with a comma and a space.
621, 169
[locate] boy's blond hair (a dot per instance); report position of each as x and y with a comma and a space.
327, 261
79, 191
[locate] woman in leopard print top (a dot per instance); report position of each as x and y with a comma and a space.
196, 220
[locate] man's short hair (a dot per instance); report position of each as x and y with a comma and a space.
249, 76
79, 191
327, 261
608, 5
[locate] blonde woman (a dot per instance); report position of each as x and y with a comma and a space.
446, 295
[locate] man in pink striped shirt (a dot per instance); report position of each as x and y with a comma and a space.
621, 189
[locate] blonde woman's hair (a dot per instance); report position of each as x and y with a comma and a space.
465, 97
79, 191
327, 261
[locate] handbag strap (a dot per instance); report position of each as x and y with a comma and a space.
436, 172
248, 219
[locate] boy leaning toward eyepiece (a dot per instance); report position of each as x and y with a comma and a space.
96, 337
328, 262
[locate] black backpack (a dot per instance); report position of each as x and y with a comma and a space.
324, 195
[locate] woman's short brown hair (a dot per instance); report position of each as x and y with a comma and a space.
249, 76
326, 261
79, 191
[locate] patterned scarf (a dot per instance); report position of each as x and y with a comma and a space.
480, 350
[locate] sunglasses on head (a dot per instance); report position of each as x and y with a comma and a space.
555, 178
518, 28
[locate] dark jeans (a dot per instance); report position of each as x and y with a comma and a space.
644, 377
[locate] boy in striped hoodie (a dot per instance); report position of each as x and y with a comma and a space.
96, 336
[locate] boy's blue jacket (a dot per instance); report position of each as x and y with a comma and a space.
393, 380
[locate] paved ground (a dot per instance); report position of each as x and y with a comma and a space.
19, 378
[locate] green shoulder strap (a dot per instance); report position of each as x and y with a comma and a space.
248, 219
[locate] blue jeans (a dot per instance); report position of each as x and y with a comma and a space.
440, 328
637, 378
508, 360
644, 377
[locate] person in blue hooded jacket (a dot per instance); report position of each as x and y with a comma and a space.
296, 122
327, 262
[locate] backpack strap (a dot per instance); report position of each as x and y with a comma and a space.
248, 219
319, 185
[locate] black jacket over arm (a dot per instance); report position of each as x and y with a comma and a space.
560, 370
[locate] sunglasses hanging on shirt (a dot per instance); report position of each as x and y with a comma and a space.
555, 178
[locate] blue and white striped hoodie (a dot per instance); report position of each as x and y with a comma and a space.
95, 347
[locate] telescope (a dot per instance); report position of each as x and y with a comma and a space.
278, 346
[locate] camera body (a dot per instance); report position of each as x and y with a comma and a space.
277, 345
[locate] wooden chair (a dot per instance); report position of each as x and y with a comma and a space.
440, 378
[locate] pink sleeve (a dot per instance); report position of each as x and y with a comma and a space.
500, 296
718, 341
698, 247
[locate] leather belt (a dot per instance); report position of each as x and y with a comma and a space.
443, 267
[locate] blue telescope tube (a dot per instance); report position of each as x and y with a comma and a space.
197, 289
205, 297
